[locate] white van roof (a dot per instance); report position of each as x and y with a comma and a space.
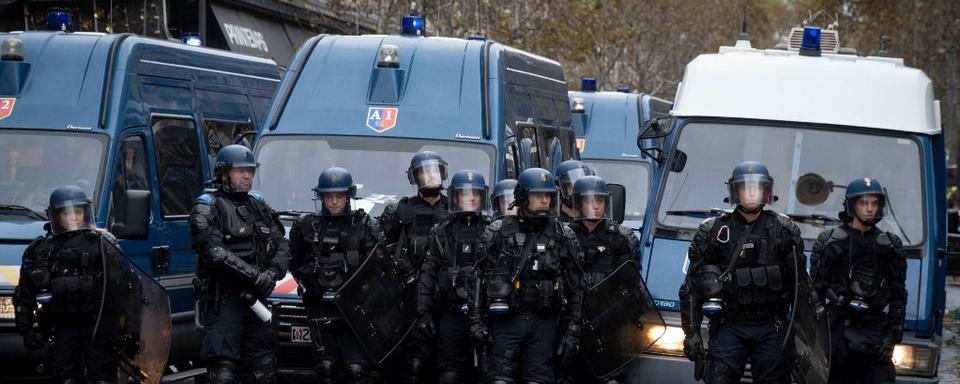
869, 92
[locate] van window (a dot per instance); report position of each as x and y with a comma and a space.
221, 133
130, 173
178, 164
529, 148
556, 146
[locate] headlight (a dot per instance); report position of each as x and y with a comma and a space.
6, 308
669, 340
914, 360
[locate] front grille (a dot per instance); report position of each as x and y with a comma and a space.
290, 354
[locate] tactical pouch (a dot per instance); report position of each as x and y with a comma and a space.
743, 280
330, 274
40, 277
497, 287
353, 258
775, 278
759, 277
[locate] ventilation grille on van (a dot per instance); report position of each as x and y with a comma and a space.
829, 40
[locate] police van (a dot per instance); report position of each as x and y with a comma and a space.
818, 116
369, 103
132, 121
605, 124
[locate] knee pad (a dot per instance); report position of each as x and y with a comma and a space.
500, 381
325, 368
719, 373
449, 377
414, 370
357, 374
222, 372
612, 381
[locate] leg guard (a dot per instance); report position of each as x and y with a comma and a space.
327, 371
222, 372
449, 377
264, 369
414, 370
357, 374
719, 373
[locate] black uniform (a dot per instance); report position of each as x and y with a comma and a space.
239, 243
445, 287
534, 266
407, 224
605, 249
326, 252
841, 256
70, 267
756, 296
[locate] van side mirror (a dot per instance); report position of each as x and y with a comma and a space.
618, 201
679, 161
655, 128
132, 217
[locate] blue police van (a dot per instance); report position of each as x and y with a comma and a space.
132, 121
818, 116
605, 124
369, 103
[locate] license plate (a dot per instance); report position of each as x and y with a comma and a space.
299, 334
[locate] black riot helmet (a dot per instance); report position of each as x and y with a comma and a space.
591, 199
502, 198
230, 157
754, 180
857, 189
427, 172
335, 181
567, 173
467, 192
533, 185
69, 210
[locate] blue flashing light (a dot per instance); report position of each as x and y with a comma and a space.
412, 25
192, 39
624, 90
58, 21
477, 37
811, 41
588, 84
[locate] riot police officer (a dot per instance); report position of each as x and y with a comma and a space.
447, 271
567, 173
67, 263
242, 253
605, 243
741, 276
861, 270
502, 198
327, 247
530, 278
406, 226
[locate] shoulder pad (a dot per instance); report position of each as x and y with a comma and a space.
888, 239
613, 227
495, 226
624, 230
837, 234
566, 231
258, 196
787, 222
205, 198
707, 224
109, 237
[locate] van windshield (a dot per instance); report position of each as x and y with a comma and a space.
290, 166
34, 163
810, 167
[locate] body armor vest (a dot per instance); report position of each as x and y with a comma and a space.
334, 250
598, 248
526, 275
76, 272
462, 246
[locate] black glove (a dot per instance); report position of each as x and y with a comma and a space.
425, 326
479, 334
33, 341
568, 344
693, 346
885, 353
264, 285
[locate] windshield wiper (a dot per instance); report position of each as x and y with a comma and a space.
13, 208
814, 219
699, 213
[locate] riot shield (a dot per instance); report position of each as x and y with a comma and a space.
620, 321
807, 347
134, 322
377, 305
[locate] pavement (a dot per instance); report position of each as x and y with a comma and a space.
950, 357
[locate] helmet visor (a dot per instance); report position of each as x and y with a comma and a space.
591, 206
468, 198
541, 204
501, 204
71, 216
568, 179
751, 190
429, 175
333, 203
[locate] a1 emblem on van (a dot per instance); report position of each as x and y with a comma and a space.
6, 106
381, 119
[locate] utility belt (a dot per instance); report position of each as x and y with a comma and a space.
756, 285
763, 315
532, 295
326, 275
74, 294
